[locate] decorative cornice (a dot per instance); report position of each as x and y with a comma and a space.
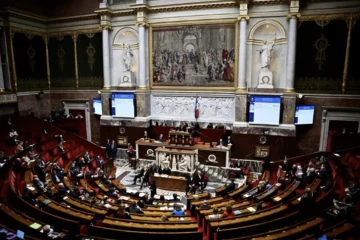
43, 20
340, 16
106, 27
267, 2
46, 35
143, 24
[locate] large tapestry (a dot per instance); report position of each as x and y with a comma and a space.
197, 55
30, 62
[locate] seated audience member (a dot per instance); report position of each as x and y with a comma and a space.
27, 196
58, 172
40, 168
166, 171
75, 193
261, 187
61, 147
141, 204
164, 218
98, 161
122, 214
80, 162
286, 167
228, 212
3, 159
140, 175
18, 165
26, 144
19, 147
310, 174
134, 208
87, 157
326, 186
113, 193
26, 160
9, 124
178, 211
39, 184
230, 186
61, 189
307, 206
74, 170
299, 172
204, 205
216, 214
324, 173
353, 190
245, 170
32, 153
210, 126
345, 207
98, 172
161, 138
175, 197
47, 229
14, 136
60, 138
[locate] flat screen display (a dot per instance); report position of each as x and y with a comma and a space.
304, 114
265, 110
122, 105
97, 105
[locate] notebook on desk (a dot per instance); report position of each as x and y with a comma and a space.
237, 212
46, 201
20, 234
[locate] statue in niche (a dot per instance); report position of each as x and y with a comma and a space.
265, 55
127, 58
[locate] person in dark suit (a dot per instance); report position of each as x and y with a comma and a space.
190, 187
87, 157
229, 141
112, 193
146, 136
161, 138
230, 186
98, 161
197, 179
113, 148
153, 189
130, 150
61, 147
140, 175
134, 209
60, 138
220, 143
266, 163
307, 205
205, 206
166, 171
108, 148
145, 178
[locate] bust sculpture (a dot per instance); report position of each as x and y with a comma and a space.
127, 58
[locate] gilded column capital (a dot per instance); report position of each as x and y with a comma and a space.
106, 27
143, 24
244, 17
74, 37
293, 15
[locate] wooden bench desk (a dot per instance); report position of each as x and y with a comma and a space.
84, 207
287, 192
170, 183
268, 193
171, 218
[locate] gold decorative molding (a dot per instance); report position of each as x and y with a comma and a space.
339, 16
290, 90
46, 41
241, 90
193, 88
54, 34
142, 24
247, 18
350, 25
267, 2
293, 15
13, 60
106, 27
75, 37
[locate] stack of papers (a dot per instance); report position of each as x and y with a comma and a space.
163, 208
246, 195
107, 205
124, 198
35, 225
141, 194
157, 197
277, 199
131, 191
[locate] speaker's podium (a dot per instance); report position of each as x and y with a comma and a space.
179, 138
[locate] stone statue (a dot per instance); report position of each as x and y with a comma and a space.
128, 56
265, 55
184, 163
165, 162
174, 163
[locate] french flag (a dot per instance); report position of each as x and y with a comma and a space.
197, 110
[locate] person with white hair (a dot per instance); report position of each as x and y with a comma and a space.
205, 205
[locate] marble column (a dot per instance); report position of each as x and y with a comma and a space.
105, 100
143, 104
2, 84
240, 108
142, 56
106, 57
242, 55
289, 102
291, 55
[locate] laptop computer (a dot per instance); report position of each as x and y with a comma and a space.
20, 234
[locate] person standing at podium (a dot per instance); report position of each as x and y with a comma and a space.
229, 141
220, 143
161, 138
145, 137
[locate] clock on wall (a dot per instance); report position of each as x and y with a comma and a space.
122, 130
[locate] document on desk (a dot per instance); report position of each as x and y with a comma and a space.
277, 199
141, 194
107, 205
35, 225
131, 191
251, 209
157, 197
124, 198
